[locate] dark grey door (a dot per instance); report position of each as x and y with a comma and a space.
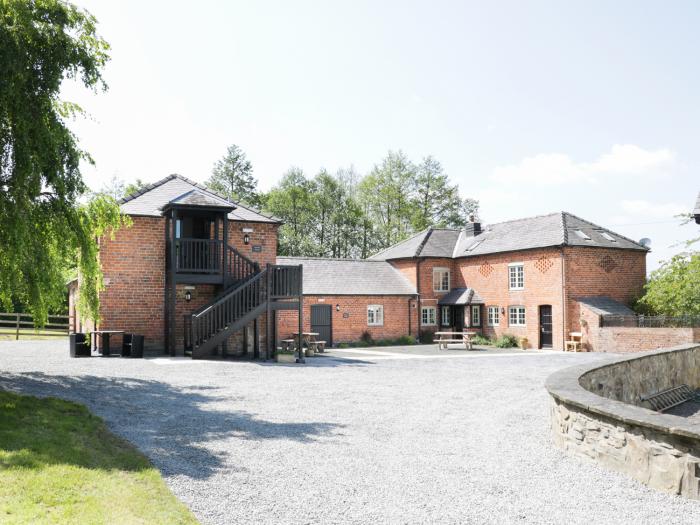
321, 322
545, 326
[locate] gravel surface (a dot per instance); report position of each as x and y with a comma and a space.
363, 437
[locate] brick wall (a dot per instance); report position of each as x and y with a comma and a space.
350, 322
428, 296
615, 273
629, 339
133, 264
488, 275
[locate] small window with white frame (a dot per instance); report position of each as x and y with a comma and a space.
516, 276
428, 316
476, 315
494, 316
441, 279
516, 316
445, 316
375, 315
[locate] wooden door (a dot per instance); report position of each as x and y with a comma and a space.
322, 322
545, 326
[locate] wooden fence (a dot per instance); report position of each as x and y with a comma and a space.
22, 325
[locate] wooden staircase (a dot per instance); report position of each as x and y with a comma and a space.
250, 293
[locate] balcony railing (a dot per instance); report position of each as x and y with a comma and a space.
198, 255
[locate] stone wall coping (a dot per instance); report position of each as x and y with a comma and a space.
564, 386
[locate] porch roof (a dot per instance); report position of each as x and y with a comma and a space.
199, 199
460, 296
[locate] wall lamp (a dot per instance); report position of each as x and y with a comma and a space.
503, 310
246, 238
188, 296
337, 308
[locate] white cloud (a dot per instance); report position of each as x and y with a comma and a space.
654, 210
557, 168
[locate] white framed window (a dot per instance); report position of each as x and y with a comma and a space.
516, 315
516, 276
494, 316
427, 314
441, 279
445, 317
375, 315
476, 315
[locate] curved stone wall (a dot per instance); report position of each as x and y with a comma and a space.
596, 413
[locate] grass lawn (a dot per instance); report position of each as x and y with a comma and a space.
60, 464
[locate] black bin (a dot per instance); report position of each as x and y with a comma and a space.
78, 345
132, 345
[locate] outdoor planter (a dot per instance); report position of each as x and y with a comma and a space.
285, 357
309, 352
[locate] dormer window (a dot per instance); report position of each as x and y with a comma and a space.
441, 279
582, 234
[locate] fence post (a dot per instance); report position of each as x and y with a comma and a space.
17, 332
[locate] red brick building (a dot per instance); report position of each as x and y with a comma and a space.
197, 274
522, 277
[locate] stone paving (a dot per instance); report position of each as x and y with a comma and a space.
376, 435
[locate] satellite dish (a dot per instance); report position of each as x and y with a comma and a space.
645, 241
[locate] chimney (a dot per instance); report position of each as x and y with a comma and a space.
472, 229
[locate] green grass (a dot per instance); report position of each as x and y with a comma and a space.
60, 464
8, 334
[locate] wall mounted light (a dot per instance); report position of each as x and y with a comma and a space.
337, 308
246, 239
188, 296
503, 310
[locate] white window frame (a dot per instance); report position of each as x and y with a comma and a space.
475, 315
375, 315
427, 310
441, 286
513, 276
445, 320
493, 317
519, 313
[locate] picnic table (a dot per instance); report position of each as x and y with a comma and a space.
104, 340
308, 339
465, 338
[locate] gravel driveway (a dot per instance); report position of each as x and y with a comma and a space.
363, 437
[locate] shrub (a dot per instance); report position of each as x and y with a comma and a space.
426, 336
507, 341
343, 345
479, 339
366, 338
406, 340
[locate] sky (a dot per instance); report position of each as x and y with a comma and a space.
531, 107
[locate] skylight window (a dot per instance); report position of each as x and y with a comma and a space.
473, 246
582, 235
607, 236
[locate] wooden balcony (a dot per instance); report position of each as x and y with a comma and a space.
209, 261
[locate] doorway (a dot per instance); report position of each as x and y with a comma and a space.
321, 322
545, 326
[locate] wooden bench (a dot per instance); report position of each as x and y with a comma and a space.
288, 344
574, 344
319, 346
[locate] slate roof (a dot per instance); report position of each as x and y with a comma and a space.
199, 198
350, 277
458, 296
555, 229
151, 199
605, 305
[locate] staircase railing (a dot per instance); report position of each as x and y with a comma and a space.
238, 266
239, 304
220, 314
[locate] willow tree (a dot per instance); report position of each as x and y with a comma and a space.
44, 228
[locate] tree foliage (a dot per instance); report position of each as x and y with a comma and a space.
345, 215
44, 232
674, 288
232, 177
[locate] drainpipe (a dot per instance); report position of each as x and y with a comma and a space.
418, 303
563, 295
